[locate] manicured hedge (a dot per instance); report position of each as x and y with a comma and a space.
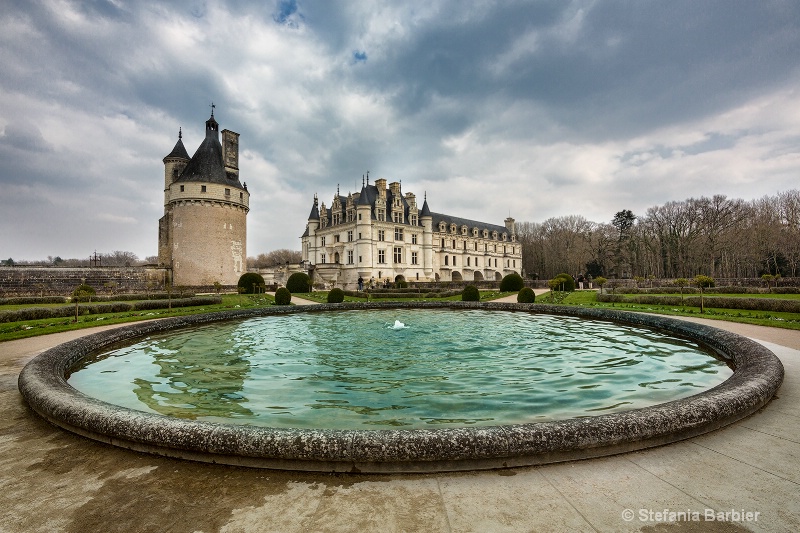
38, 313
720, 302
298, 282
283, 296
471, 294
511, 282
526, 296
336, 296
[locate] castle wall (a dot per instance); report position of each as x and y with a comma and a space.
208, 242
61, 281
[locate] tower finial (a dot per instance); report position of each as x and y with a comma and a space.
180, 133
212, 108
337, 189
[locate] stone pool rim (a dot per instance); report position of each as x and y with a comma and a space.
758, 374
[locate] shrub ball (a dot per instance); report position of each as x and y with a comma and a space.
511, 283
471, 294
526, 296
336, 296
283, 296
250, 282
299, 282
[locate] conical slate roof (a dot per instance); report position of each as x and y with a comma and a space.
179, 152
426, 211
206, 164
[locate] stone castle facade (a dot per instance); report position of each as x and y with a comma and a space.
202, 236
380, 233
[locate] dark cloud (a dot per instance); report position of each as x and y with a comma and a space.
574, 106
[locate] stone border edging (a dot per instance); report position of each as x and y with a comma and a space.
758, 375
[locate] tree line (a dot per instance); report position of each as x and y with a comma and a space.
718, 237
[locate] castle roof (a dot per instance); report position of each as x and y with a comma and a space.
206, 164
426, 211
179, 152
314, 215
447, 219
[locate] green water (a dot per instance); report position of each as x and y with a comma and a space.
354, 370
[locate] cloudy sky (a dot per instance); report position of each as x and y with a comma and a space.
532, 109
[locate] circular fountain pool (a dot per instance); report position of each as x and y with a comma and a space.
435, 447
367, 369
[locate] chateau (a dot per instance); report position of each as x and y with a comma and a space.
381, 233
202, 236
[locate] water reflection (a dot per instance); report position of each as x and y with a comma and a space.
443, 368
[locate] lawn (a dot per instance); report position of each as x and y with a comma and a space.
761, 318
32, 328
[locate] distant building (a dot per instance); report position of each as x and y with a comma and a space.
379, 233
202, 236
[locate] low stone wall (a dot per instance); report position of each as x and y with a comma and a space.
758, 375
61, 281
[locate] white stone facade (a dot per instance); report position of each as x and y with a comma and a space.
380, 233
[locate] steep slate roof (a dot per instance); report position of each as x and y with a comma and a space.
206, 164
447, 219
179, 151
369, 196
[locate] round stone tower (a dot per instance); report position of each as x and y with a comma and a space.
203, 233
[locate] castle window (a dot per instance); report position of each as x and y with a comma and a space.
442, 227
322, 258
413, 238
452, 228
476, 246
486, 234
359, 216
381, 256
442, 243
227, 192
398, 254
349, 257
446, 259
202, 188
413, 220
322, 239
413, 258
398, 234
381, 235
349, 235
336, 238
454, 260
463, 230
494, 236
241, 196
467, 261
181, 188
380, 214
505, 236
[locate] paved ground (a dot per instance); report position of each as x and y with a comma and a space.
51, 480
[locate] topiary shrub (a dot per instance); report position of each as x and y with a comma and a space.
249, 282
336, 296
401, 284
299, 282
471, 294
511, 283
564, 282
283, 296
526, 296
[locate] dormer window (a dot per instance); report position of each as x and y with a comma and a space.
452, 228
505, 237
474, 232
494, 235
442, 227
486, 234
